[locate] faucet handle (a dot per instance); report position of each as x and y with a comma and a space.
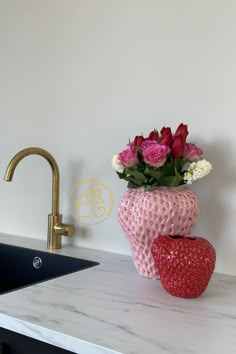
69, 230
64, 229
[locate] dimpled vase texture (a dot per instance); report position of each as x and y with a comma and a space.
144, 215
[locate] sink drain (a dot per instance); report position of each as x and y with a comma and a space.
37, 262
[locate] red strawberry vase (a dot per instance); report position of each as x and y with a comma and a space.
185, 264
144, 215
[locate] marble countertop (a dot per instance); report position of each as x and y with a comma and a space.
111, 309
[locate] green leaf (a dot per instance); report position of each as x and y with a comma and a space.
167, 170
172, 181
178, 175
121, 175
148, 188
136, 174
153, 173
131, 184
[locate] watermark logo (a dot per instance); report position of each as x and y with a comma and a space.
92, 202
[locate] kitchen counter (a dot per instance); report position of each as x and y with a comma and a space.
111, 309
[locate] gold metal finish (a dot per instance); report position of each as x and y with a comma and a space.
55, 226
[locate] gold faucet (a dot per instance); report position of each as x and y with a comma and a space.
55, 226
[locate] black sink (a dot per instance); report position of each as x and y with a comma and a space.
21, 267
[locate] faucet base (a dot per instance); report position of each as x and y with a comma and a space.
56, 229
54, 239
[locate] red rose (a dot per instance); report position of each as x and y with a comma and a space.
136, 142
166, 136
179, 140
177, 148
165, 131
182, 131
154, 135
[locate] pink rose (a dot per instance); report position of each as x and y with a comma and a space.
147, 143
192, 152
128, 157
154, 154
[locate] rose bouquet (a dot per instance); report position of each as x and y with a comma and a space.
161, 159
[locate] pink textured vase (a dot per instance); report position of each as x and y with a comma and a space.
145, 215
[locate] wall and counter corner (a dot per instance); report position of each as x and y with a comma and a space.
80, 78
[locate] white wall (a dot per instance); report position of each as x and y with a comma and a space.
79, 77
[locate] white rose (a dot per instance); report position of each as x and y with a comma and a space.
116, 164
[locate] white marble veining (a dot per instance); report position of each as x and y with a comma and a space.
111, 309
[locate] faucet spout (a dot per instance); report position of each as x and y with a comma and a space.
55, 171
55, 226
